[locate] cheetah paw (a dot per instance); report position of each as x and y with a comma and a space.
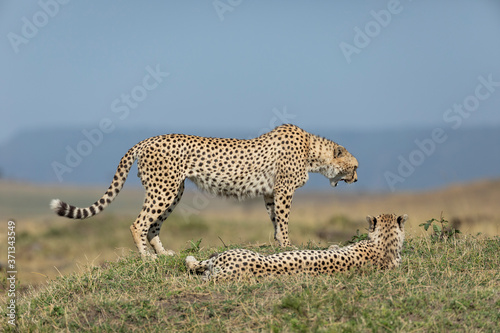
191, 262
167, 253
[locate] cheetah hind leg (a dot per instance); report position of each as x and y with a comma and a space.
154, 229
146, 228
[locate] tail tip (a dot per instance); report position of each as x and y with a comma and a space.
55, 204
58, 207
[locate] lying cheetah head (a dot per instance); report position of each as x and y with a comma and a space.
382, 226
387, 233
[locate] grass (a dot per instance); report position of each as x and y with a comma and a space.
451, 285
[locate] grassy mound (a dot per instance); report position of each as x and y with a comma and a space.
440, 286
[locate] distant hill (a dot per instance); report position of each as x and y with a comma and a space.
389, 160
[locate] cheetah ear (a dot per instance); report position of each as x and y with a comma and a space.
337, 152
401, 220
372, 222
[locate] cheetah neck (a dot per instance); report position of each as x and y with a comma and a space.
320, 153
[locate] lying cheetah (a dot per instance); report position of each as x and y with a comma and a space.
273, 165
383, 250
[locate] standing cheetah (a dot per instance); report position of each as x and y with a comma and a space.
273, 165
383, 250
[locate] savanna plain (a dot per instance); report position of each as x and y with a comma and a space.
87, 275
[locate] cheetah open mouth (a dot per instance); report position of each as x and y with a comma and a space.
333, 182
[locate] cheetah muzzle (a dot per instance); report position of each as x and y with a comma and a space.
272, 165
382, 250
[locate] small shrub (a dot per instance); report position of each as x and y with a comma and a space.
194, 247
358, 237
439, 230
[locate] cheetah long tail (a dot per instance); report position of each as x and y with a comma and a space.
63, 209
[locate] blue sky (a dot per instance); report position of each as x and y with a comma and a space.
188, 65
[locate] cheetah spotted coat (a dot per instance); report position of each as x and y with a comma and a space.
272, 165
383, 250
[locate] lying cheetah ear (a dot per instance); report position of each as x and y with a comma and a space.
372, 222
401, 220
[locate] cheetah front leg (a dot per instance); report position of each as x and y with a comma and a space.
269, 202
282, 204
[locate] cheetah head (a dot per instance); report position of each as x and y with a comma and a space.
386, 231
342, 168
387, 227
